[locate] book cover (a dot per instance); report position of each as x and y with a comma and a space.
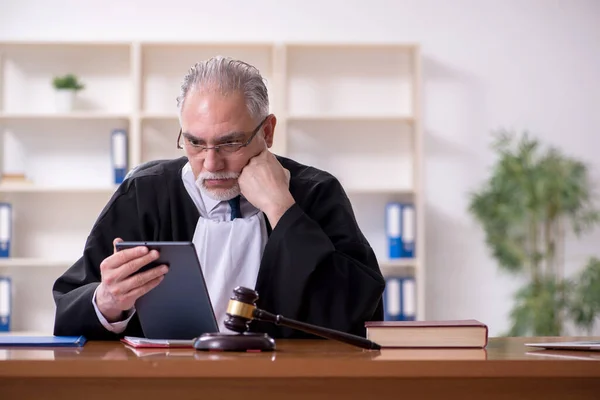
469, 333
41, 341
422, 324
139, 342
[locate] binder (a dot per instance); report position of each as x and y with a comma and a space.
392, 300
409, 299
5, 303
5, 229
393, 226
400, 301
408, 231
119, 154
42, 341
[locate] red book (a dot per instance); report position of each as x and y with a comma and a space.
468, 333
138, 342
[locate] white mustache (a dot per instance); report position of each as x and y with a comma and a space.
218, 175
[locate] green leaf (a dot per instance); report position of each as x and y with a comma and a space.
537, 309
68, 81
585, 304
533, 197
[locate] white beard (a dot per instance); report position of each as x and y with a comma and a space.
218, 194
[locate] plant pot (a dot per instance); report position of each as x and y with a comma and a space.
65, 98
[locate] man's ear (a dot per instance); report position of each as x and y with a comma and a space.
269, 130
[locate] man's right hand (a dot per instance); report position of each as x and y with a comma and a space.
118, 290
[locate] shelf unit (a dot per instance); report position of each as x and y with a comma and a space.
352, 109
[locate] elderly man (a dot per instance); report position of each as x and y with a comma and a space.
288, 229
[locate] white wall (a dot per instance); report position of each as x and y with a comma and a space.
527, 64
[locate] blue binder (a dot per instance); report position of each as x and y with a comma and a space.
399, 302
42, 341
408, 231
392, 300
393, 224
5, 229
409, 299
119, 148
5, 303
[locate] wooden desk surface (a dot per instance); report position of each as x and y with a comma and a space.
327, 367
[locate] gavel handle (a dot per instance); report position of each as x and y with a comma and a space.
327, 333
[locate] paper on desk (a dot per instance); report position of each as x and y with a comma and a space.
138, 342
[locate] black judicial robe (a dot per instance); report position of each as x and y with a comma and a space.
317, 266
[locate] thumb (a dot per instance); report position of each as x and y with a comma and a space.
117, 240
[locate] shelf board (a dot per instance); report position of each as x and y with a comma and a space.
34, 262
351, 45
63, 116
399, 267
392, 191
32, 188
63, 43
350, 118
160, 116
398, 263
308, 118
149, 44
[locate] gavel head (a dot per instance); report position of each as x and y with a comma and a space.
240, 310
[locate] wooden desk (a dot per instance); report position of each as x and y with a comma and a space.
300, 369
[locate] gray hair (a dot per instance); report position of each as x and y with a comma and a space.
226, 76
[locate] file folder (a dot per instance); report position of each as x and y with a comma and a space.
5, 303
119, 154
399, 302
408, 231
5, 229
409, 299
42, 341
392, 301
393, 226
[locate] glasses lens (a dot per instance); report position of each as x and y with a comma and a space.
230, 148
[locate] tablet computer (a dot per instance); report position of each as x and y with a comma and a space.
179, 307
568, 345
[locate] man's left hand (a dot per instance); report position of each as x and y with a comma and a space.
265, 183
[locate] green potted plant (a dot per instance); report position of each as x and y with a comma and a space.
66, 87
532, 200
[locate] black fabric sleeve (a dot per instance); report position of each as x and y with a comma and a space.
74, 289
319, 268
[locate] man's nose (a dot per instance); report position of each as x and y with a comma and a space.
213, 161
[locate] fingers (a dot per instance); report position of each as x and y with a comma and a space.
134, 282
124, 294
132, 265
122, 257
117, 240
142, 290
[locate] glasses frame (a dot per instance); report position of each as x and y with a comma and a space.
218, 146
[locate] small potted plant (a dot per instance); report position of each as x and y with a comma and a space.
66, 87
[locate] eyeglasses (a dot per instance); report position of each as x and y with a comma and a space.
229, 147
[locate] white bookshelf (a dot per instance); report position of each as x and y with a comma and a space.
352, 109
34, 262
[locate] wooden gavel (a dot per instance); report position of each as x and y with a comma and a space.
242, 310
